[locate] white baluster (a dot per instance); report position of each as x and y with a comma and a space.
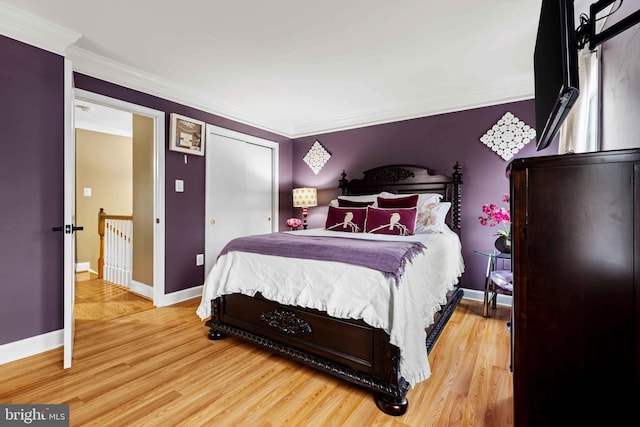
118, 259
129, 253
118, 254
107, 250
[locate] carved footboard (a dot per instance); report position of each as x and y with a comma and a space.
345, 348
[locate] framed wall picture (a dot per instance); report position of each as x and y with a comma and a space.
187, 135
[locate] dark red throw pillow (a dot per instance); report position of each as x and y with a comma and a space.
343, 203
398, 202
401, 221
349, 220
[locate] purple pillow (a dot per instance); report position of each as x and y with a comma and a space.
398, 202
346, 219
401, 221
343, 203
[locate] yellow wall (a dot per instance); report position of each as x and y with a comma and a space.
104, 164
143, 218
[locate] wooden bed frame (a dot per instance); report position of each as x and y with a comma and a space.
345, 348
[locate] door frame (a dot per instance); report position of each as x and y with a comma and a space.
158, 181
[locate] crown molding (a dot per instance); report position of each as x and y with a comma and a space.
429, 107
30, 29
97, 66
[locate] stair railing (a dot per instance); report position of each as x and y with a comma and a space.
115, 263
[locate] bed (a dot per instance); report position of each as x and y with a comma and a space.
311, 309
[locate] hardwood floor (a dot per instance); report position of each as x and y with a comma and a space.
157, 367
98, 300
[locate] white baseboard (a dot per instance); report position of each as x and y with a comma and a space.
179, 296
476, 295
83, 266
31, 346
141, 289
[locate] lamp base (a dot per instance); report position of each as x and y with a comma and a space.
304, 218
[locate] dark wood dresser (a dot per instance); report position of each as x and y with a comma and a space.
575, 330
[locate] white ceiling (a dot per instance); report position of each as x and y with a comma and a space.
99, 118
300, 67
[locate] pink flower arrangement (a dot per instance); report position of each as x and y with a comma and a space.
494, 216
293, 223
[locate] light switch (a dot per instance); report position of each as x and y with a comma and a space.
87, 192
179, 186
200, 259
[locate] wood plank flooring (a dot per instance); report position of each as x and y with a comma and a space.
156, 367
99, 300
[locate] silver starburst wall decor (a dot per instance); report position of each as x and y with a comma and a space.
508, 136
317, 157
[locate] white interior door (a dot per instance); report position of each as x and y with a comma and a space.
258, 197
69, 217
241, 188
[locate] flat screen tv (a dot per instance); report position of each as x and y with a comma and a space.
555, 64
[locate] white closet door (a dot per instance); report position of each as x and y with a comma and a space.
240, 189
259, 186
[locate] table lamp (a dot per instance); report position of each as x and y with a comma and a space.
303, 198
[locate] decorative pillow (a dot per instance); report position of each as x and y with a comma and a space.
431, 217
422, 197
344, 203
346, 219
400, 221
362, 198
398, 202
429, 198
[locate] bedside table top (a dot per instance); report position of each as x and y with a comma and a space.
493, 253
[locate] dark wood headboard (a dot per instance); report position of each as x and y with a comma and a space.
406, 179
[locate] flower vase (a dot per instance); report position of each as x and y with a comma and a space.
503, 244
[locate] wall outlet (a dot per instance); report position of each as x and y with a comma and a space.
200, 259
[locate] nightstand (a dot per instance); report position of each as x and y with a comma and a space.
498, 278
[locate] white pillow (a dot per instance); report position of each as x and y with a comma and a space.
387, 195
431, 217
427, 198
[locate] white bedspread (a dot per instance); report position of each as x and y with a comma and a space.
347, 291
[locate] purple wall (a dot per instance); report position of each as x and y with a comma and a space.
31, 190
184, 239
437, 142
